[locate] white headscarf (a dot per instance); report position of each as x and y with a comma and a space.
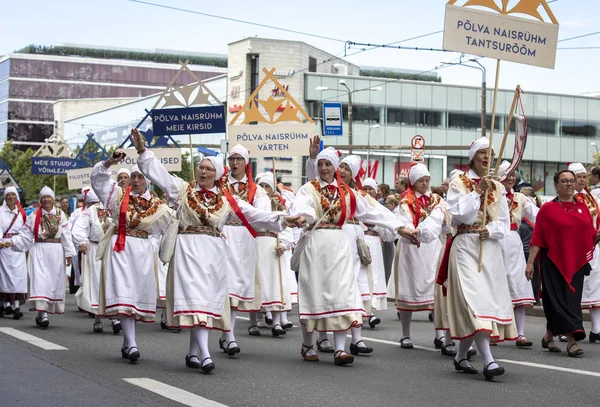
267, 178
8, 191
241, 150
257, 176
455, 173
219, 168
577, 168
370, 182
477, 145
330, 154
46, 191
124, 170
417, 172
353, 162
502, 170
91, 197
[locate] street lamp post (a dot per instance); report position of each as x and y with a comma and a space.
349, 92
375, 126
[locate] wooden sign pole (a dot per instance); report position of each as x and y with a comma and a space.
277, 241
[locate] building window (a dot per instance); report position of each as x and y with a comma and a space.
4, 69
414, 117
362, 113
254, 72
312, 64
575, 128
471, 121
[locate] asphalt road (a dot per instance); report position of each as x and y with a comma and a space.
270, 372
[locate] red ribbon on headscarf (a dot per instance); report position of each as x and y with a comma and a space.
84, 195
120, 243
343, 188
414, 204
251, 184
36, 225
280, 198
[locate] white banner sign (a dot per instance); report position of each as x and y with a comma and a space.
170, 158
500, 36
273, 140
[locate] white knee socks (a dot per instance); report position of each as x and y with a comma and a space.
230, 336
284, 319
128, 325
193, 343
520, 320
463, 349
439, 333
15, 304
356, 335
339, 339
405, 317
200, 336
276, 318
482, 339
595, 319
253, 318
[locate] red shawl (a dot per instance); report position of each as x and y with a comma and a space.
568, 236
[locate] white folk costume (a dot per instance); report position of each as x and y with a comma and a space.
240, 257
13, 268
47, 237
74, 271
521, 290
590, 298
89, 229
128, 276
478, 301
328, 295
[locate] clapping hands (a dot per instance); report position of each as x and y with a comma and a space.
413, 235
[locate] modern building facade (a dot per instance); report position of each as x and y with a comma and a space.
31, 83
562, 128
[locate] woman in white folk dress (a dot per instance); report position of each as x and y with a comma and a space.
274, 275
197, 287
328, 293
374, 237
128, 276
13, 268
424, 214
87, 232
47, 238
479, 303
521, 290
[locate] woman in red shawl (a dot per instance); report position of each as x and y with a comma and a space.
564, 237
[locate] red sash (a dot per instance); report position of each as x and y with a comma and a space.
120, 243
443, 270
238, 212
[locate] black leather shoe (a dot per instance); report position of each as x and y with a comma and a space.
38, 321
594, 337
277, 330
374, 321
17, 314
8, 311
232, 349
489, 374
577, 353
163, 325
44, 322
553, 349
253, 331
450, 352
125, 353
208, 367
133, 355
407, 345
355, 349
193, 362
471, 353
116, 327
468, 369
431, 317
438, 343
268, 321
324, 349
287, 325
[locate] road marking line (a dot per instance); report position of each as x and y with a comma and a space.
395, 343
34, 340
173, 393
562, 369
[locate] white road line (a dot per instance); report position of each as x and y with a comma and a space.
395, 343
540, 366
34, 340
173, 393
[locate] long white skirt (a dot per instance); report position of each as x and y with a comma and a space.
89, 287
591, 284
197, 283
161, 301
415, 273
361, 272
273, 277
478, 301
521, 290
328, 295
379, 300
292, 283
128, 280
13, 272
46, 267
240, 255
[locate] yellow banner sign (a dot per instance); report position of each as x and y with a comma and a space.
500, 36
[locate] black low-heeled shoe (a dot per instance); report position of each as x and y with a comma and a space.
253, 331
209, 367
407, 345
232, 350
438, 343
594, 337
287, 325
355, 349
277, 330
471, 353
44, 322
324, 349
374, 321
194, 364
577, 353
8, 311
38, 321
449, 352
489, 374
17, 314
552, 349
465, 369
125, 352
133, 355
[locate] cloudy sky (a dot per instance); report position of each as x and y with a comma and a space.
126, 23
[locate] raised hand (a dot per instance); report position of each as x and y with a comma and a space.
313, 149
115, 158
137, 140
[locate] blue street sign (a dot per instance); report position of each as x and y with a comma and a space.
52, 165
189, 120
332, 119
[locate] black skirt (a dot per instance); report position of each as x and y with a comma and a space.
561, 306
